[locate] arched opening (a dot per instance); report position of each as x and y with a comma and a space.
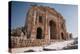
62, 35
52, 29
39, 33
40, 19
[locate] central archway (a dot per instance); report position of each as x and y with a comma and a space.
39, 33
52, 29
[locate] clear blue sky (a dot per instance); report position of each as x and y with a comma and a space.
69, 12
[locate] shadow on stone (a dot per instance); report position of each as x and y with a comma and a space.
29, 51
49, 49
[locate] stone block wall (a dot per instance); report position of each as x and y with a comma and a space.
18, 42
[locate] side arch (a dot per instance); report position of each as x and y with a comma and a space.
62, 35
39, 33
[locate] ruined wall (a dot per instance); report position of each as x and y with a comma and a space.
18, 42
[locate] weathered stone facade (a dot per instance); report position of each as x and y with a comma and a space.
43, 25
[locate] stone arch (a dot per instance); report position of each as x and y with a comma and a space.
39, 33
52, 29
62, 35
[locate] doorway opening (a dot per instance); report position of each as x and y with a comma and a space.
39, 33
52, 29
